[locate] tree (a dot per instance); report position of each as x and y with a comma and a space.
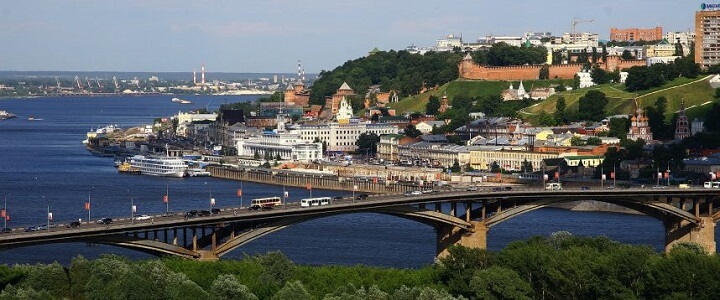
458, 267
455, 168
293, 290
576, 141
431, 108
593, 141
366, 142
227, 287
592, 106
544, 72
599, 76
619, 127
526, 166
626, 55
546, 119
559, 114
411, 131
500, 283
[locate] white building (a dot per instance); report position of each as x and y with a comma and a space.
341, 137
185, 119
447, 43
345, 112
288, 146
585, 79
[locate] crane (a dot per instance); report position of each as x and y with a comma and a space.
77, 80
58, 82
117, 86
576, 21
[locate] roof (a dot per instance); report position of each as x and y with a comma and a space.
434, 138
345, 87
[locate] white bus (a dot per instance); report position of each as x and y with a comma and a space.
265, 203
712, 184
315, 201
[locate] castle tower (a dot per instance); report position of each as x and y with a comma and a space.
682, 130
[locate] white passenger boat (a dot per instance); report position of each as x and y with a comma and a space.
159, 165
197, 172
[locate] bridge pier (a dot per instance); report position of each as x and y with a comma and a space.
684, 231
448, 235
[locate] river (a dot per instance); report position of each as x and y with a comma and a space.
43, 164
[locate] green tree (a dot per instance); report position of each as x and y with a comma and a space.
277, 268
619, 127
431, 108
500, 283
455, 168
592, 106
227, 287
544, 72
626, 55
593, 141
411, 131
559, 114
458, 267
367, 143
293, 290
545, 119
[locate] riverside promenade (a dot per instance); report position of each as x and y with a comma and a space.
316, 181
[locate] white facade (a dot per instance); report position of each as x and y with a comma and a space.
585, 79
345, 111
684, 38
184, 119
287, 145
447, 43
341, 137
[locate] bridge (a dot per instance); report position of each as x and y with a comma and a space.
459, 217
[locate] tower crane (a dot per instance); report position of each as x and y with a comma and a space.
77, 80
117, 86
88, 82
576, 21
57, 80
98, 83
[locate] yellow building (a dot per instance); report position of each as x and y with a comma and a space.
508, 160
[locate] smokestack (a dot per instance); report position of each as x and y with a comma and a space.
194, 76
202, 74
299, 70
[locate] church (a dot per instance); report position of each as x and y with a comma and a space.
639, 127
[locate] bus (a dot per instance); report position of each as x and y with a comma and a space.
265, 203
315, 201
712, 184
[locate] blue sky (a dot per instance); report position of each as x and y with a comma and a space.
272, 35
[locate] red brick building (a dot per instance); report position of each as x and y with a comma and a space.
636, 34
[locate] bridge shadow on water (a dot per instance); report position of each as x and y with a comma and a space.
381, 240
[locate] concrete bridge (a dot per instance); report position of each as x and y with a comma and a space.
459, 217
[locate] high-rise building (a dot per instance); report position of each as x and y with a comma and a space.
707, 37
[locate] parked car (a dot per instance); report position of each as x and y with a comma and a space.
215, 211
471, 189
6, 230
42, 227
361, 197
204, 213
73, 224
31, 228
338, 198
105, 221
142, 217
191, 214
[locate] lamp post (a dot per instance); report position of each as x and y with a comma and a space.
668, 173
49, 214
5, 213
614, 175
89, 205
132, 208
602, 176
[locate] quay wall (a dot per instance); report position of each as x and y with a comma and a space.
277, 177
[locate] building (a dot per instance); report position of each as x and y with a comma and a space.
341, 137
639, 128
513, 94
636, 34
682, 127
185, 119
661, 49
707, 38
434, 154
585, 79
287, 146
447, 43
512, 160
332, 103
697, 126
678, 37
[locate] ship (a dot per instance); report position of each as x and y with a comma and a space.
159, 165
6, 115
181, 101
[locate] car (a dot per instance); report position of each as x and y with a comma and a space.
204, 213
508, 188
471, 189
73, 224
215, 211
338, 198
42, 227
254, 207
659, 187
6, 230
584, 188
191, 214
142, 217
361, 197
497, 189
106, 221
31, 228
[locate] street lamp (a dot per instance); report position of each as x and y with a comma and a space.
88, 207
602, 176
132, 208
212, 200
49, 214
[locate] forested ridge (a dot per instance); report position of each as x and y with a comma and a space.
556, 267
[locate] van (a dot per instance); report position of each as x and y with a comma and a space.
553, 186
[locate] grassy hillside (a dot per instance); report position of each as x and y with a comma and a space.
467, 88
696, 92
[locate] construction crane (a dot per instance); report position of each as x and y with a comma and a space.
58, 82
98, 83
88, 82
77, 80
576, 21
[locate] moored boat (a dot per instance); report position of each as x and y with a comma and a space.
197, 172
159, 165
6, 115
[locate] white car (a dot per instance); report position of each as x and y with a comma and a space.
142, 217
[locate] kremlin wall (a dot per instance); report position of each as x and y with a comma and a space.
468, 69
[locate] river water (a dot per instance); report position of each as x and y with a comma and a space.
44, 164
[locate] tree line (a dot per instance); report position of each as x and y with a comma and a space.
560, 266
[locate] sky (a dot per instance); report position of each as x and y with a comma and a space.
267, 36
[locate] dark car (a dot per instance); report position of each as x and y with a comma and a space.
361, 197
338, 198
497, 189
73, 224
203, 213
254, 207
6, 230
584, 188
215, 211
31, 228
191, 214
105, 221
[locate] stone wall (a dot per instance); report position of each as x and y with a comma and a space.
468, 69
